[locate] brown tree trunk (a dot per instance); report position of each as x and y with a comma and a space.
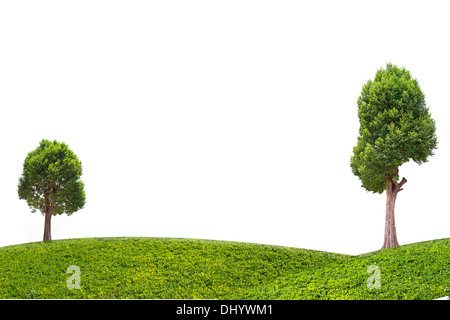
47, 227
390, 234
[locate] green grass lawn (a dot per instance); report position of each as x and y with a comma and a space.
166, 268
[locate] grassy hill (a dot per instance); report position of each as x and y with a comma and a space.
166, 268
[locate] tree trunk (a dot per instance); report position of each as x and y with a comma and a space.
390, 234
47, 227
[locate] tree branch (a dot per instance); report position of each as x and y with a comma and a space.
54, 191
402, 183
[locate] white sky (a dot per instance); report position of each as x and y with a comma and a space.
228, 120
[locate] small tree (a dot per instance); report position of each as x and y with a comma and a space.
50, 182
395, 127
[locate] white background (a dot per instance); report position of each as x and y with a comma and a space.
228, 120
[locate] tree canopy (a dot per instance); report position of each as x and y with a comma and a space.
395, 127
50, 180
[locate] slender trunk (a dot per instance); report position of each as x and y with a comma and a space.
47, 227
390, 233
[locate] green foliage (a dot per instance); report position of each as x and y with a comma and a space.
159, 268
395, 127
50, 179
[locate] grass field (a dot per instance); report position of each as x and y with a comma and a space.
167, 268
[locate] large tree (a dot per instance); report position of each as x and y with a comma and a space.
50, 182
395, 127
